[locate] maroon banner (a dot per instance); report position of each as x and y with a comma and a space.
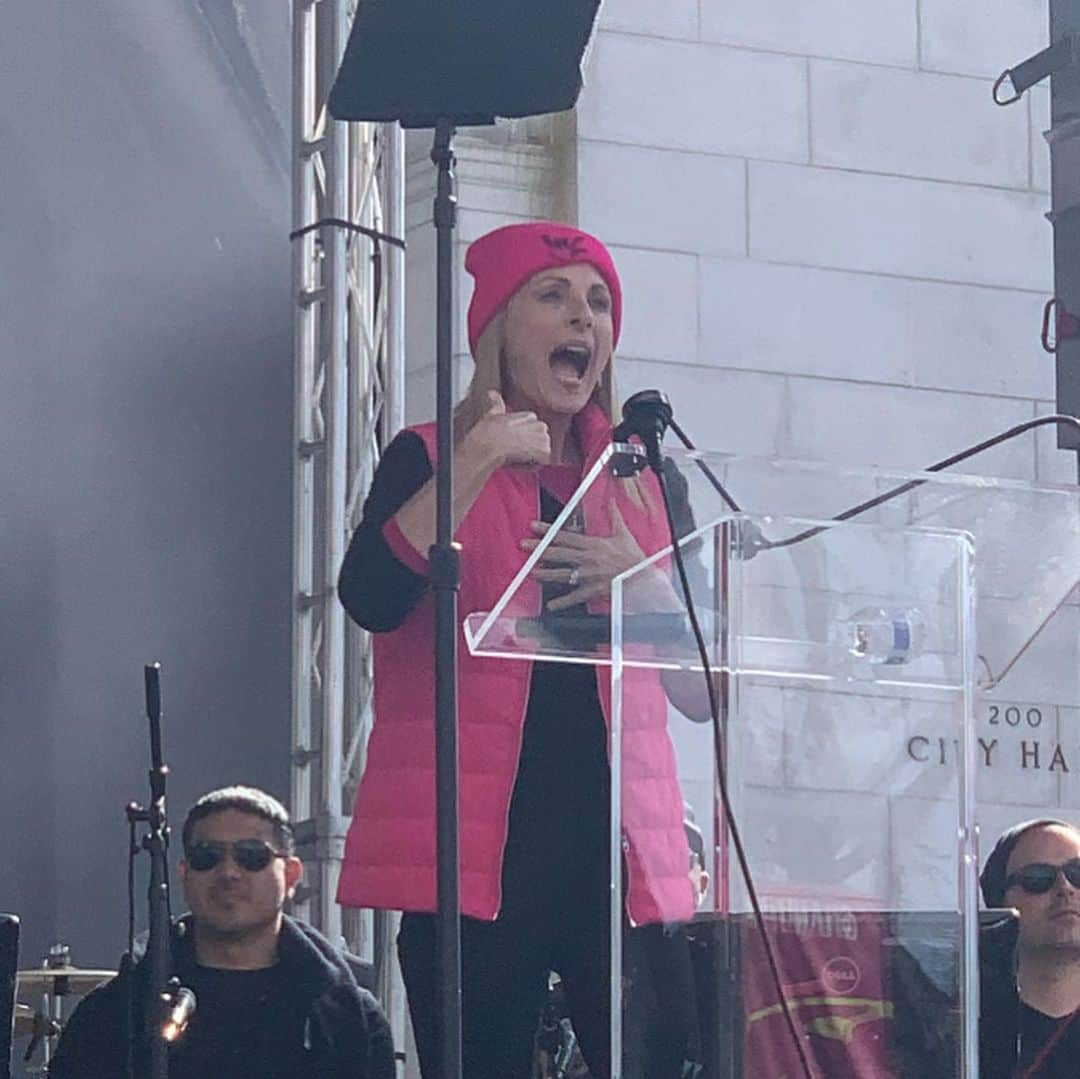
835, 977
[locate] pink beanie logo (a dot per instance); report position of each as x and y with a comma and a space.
567, 248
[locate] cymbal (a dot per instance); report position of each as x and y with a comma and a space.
61, 981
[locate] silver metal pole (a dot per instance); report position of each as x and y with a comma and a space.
349, 400
305, 437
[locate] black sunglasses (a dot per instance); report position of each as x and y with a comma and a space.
254, 855
1039, 877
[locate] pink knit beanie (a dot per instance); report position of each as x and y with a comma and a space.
503, 260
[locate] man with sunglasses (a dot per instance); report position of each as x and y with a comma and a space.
1029, 1027
275, 999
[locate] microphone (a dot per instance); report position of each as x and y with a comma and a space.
647, 414
181, 1009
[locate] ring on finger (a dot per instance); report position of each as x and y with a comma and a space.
575, 574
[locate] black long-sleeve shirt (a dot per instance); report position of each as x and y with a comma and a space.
377, 589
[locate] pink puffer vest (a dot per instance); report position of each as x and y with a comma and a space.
390, 849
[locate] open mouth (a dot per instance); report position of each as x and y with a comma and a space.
570, 361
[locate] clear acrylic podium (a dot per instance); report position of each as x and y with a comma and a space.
850, 662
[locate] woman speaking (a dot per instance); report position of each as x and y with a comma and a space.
534, 771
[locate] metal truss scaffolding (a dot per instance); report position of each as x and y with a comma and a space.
349, 363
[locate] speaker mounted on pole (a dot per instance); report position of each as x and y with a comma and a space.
468, 61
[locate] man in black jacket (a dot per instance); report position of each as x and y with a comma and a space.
275, 999
1030, 985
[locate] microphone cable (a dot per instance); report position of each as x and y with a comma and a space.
647, 414
937, 466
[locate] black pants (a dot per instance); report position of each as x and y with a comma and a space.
555, 912
505, 969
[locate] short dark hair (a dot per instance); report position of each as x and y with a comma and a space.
994, 874
247, 800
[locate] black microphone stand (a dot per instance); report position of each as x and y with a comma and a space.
155, 842
445, 563
443, 65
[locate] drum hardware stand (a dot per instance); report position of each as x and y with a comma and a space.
49, 1017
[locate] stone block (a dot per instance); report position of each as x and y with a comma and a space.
903, 428
1049, 669
981, 39
732, 411
675, 19
660, 304
906, 227
922, 833
757, 753
420, 295
825, 847
707, 98
662, 198
914, 123
420, 388
883, 32
837, 741
871, 328
1024, 757
694, 753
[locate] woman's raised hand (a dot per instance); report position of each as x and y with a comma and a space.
509, 438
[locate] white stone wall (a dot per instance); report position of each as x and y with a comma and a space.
833, 247
824, 221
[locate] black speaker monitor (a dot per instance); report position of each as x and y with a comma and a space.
469, 61
9, 965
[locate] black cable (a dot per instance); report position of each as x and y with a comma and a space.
721, 772
711, 476
887, 496
910, 485
349, 226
